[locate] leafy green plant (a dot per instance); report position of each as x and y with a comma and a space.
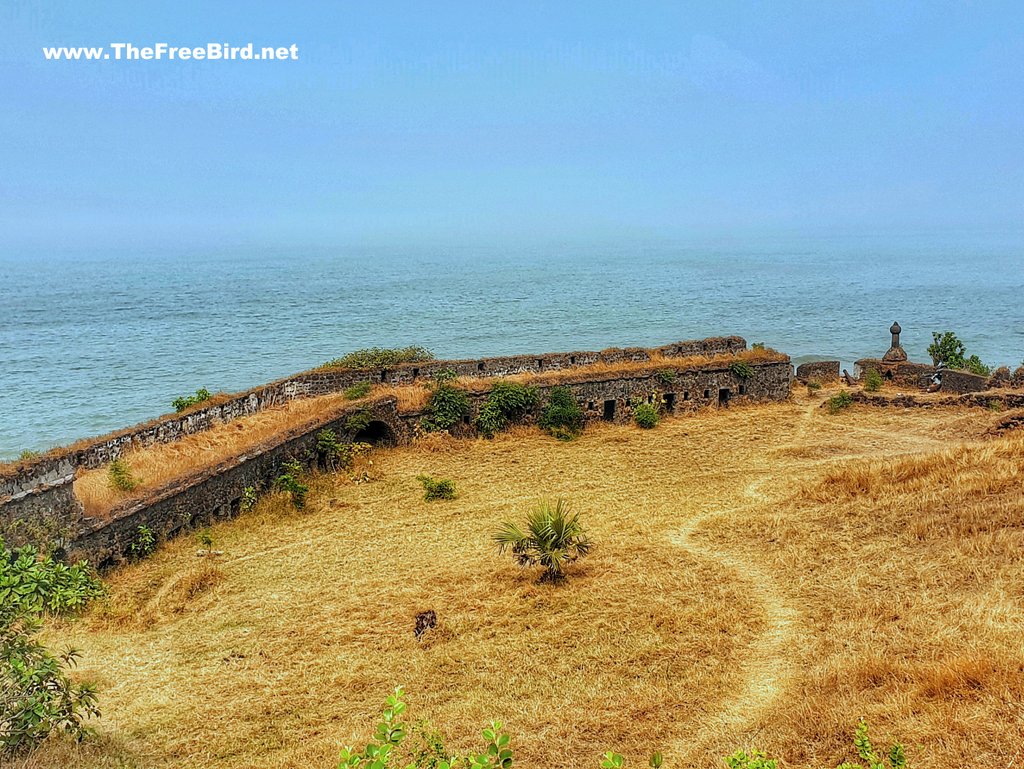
329, 450
872, 380
37, 697
28, 454
289, 481
359, 421
839, 402
813, 387
187, 401
436, 488
143, 543
865, 750
357, 391
742, 369
120, 476
204, 538
507, 402
249, 499
448, 404
389, 739
947, 349
646, 415
380, 357
755, 759
562, 415
758, 346
553, 538
666, 376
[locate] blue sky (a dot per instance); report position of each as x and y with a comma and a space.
407, 121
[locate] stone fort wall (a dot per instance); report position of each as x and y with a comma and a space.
38, 496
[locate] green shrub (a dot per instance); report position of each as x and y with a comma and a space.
249, 499
839, 402
120, 476
143, 543
448, 405
646, 415
380, 357
872, 381
813, 387
506, 403
666, 376
357, 391
28, 454
742, 369
562, 415
329, 450
359, 421
755, 759
289, 482
946, 348
866, 752
436, 488
37, 697
758, 346
187, 401
553, 539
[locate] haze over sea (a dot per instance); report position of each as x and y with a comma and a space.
93, 342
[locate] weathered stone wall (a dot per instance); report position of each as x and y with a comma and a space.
94, 453
963, 382
822, 371
216, 492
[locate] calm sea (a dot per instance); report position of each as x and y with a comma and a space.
90, 343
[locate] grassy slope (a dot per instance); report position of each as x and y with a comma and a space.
755, 582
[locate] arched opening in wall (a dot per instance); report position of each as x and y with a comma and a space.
376, 433
723, 396
670, 402
609, 411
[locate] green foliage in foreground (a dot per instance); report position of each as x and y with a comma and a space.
391, 746
507, 402
562, 416
187, 401
380, 357
839, 402
946, 348
553, 538
37, 697
872, 380
436, 488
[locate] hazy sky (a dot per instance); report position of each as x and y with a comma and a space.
483, 119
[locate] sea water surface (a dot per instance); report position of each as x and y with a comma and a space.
94, 342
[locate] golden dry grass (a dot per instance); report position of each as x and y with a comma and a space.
763, 576
155, 465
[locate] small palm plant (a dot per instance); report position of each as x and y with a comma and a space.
553, 538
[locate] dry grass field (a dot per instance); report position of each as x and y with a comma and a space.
761, 576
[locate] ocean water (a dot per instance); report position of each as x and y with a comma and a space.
93, 342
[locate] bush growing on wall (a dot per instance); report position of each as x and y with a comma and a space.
289, 482
448, 405
946, 348
187, 401
357, 391
562, 416
506, 403
742, 369
37, 697
380, 357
